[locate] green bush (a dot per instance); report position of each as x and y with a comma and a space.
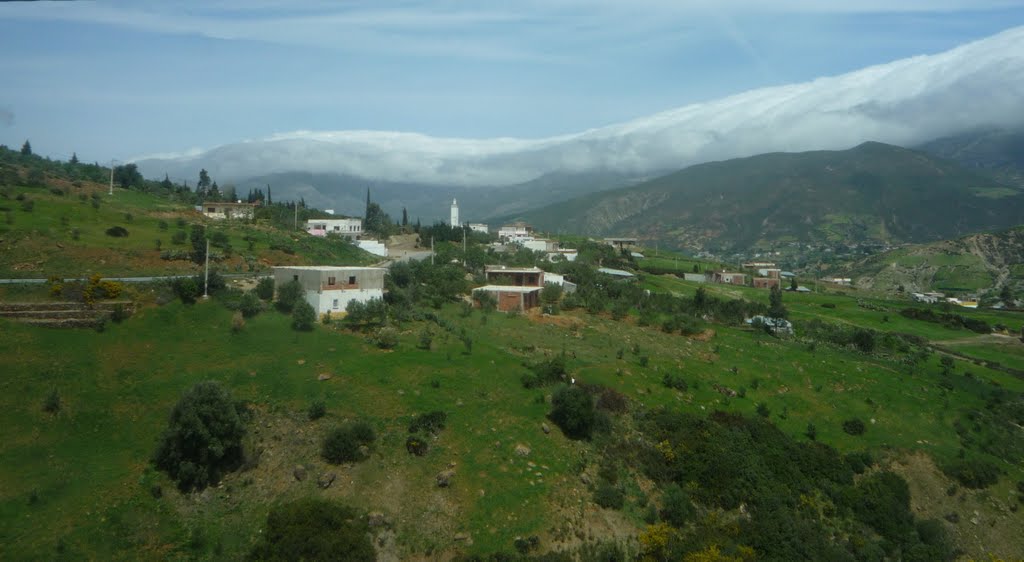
572, 409
314, 529
676, 507
117, 231
973, 473
288, 295
303, 316
265, 288
854, 426
343, 443
317, 409
52, 403
417, 445
609, 496
186, 289
203, 438
250, 304
386, 338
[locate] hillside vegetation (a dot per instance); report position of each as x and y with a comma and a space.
57, 219
975, 264
874, 192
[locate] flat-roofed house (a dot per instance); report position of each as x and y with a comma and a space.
330, 288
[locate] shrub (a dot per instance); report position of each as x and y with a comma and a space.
426, 338
303, 316
573, 411
669, 380
676, 507
250, 305
608, 495
417, 445
386, 338
344, 444
763, 410
859, 461
854, 426
52, 403
203, 438
314, 529
237, 322
288, 295
973, 473
317, 409
431, 422
178, 237
265, 288
162, 225
117, 231
611, 400
186, 289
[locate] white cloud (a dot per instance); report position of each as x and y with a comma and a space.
904, 102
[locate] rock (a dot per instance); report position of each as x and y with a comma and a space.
585, 479
299, 473
323, 376
364, 451
444, 478
545, 428
462, 536
376, 519
326, 480
522, 450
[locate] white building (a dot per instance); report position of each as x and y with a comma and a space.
330, 288
478, 227
455, 214
539, 244
228, 210
374, 247
351, 228
515, 232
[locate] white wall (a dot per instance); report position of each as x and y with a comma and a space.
324, 301
374, 247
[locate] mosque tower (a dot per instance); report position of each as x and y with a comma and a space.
455, 214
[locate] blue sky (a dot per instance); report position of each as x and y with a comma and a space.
124, 79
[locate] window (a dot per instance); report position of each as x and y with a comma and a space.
352, 280
335, 305
331, 281
337, 228
211, 209
295, 277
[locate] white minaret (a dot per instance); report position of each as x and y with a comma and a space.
455, 214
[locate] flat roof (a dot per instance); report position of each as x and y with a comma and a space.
507, 289
503, 269
329, 267
617, 272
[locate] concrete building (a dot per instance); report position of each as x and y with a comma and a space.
515, 232
766, 282
540, 245
509, 298
330, 288
455, 214
514, 276
228, 210
375, 247
350, 228
478, 227
726, 277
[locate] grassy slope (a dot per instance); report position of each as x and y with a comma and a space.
40, 242
88, 464
872, 192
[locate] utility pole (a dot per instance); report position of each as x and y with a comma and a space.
206, 275
431, 250
296, 227
463, 245
111, 178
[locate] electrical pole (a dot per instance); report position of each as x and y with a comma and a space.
206, 275
296, 227
431, 250
111, 178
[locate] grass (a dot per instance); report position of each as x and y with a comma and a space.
79, 481
66, 236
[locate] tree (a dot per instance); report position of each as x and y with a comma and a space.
572, 409
1006, 295
346, 443
198, 238
551, 293
74, 159
250, 304
204, 183
775, 307
303, 316
26, 149
203, 438
166, 183
314, 529
793, 284
128, 176
270, 200
265, 288
405, 217
288, 295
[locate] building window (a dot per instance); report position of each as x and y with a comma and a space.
295, 277
352, 280
335, 304
331, 281
211, 209
337, 228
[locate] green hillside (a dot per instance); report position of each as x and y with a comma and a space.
998, 152
871, 193
55, 218
979, 264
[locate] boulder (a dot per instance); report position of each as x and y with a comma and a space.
326, 480
299, 473
545, 428
522, 450
444, 478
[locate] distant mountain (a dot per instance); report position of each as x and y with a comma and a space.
905, 102
974, 264
997, 151
347, 194
874, 192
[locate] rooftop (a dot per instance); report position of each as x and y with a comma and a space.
507, 289
504, 269
329, 267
